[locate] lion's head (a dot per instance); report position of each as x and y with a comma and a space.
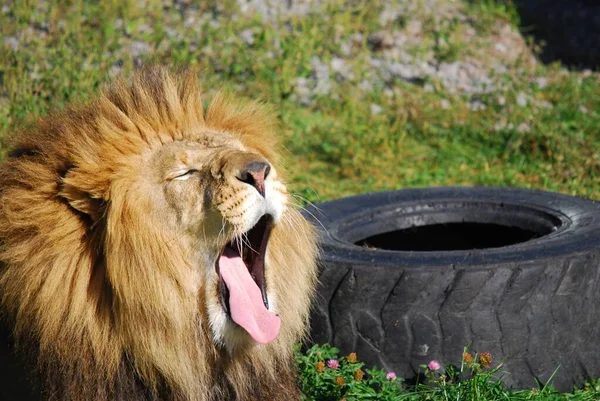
149, 248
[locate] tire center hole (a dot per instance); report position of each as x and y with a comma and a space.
450, 237
458, 226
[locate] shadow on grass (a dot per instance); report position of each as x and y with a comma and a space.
567, 31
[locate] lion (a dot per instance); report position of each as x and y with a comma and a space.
150, 250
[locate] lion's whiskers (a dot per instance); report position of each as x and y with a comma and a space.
292, 221
308, 211
222, 231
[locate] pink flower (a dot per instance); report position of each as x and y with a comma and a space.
390, 376
333, 364
434, 365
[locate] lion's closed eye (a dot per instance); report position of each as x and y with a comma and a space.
182, 175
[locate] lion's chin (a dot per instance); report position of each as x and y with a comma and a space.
242, 287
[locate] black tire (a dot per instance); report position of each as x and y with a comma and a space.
530, 293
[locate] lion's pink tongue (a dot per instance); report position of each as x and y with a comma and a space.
245, 300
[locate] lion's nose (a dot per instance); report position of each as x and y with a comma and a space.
255, 174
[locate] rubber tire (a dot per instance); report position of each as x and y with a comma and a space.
534, 305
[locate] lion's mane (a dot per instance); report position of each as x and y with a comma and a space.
91, 292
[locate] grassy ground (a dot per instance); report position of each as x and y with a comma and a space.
537, 127
371, 95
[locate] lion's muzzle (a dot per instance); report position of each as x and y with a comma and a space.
255, 173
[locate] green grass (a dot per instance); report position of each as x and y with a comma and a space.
68, 50
335, 144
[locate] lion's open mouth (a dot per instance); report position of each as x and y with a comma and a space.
242, 287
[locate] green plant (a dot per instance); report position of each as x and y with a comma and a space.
474, 379
324, 376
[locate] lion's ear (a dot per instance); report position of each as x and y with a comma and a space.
82, 196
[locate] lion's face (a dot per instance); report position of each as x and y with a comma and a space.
221, 201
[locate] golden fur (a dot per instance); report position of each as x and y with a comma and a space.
106, 278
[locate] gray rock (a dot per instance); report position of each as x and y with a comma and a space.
247, 36
523, 128
139, 48
380, 40
376, 109
319, 68
341, 69
476, 105
365, 85
543, 104
541, 82
272, 10
522, 99
11, 42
